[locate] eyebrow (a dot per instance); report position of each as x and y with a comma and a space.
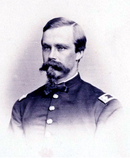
45, 45
56, 45
61, 45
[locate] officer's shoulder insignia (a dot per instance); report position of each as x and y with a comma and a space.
23, 97
105, 98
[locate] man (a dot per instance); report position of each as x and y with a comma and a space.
66, 112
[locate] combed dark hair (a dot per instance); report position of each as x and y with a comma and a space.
79, 36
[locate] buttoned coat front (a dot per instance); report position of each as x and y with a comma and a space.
63, 117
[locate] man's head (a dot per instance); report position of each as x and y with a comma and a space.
63, 43
79, 37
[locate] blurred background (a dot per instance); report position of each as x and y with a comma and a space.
106, 59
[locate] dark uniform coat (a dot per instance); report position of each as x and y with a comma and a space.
63, 120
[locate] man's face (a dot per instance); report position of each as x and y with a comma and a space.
58, 45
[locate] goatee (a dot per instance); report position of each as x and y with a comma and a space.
52, 65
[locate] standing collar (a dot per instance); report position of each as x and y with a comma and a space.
64, 86
73, 81
69, 78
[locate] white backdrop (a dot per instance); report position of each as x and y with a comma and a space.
106, 59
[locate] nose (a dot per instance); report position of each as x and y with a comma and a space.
52, 54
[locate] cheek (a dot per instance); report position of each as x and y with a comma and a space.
70, 60
45, 57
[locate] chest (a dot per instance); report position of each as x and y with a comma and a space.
61, 112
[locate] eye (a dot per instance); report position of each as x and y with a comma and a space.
46, 48
61, 48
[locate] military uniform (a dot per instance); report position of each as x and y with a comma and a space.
63, 117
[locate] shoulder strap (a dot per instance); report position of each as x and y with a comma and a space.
105, 98
23, 97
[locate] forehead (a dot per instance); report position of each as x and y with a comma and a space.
62, 34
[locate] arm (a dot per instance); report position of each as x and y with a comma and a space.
16, 125
109, 133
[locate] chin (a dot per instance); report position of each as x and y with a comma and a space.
59, 75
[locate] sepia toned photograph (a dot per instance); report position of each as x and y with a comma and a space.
65, 78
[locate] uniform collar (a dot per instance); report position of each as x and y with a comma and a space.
73, 81
64, 86
69, 78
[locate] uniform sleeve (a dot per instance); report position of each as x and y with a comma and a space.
109, 134
16, 120
109, 111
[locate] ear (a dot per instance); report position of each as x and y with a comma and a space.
79, 55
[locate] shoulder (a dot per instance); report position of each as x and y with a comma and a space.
21, 103
106, 98
103, 98
32, 94
91, 88
22, 97
106, 107
90, 92
104, 104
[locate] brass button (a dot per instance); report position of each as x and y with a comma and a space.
51, 108
49, 121
55, 96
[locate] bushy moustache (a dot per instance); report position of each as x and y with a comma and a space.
55, 65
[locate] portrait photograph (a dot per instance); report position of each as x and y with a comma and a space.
65, 78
